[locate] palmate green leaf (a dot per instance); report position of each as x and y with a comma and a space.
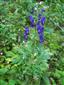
45, 55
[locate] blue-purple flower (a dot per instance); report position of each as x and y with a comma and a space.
26, 32
31, 21
41, 37
43, 20
38, 22
40, 30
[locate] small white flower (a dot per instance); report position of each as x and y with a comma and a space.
23, 41
1, 53
41, 2
35, 8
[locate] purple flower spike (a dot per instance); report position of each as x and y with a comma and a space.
25, 37
41, 38
26, 32
40, 29
31, 19
43, 20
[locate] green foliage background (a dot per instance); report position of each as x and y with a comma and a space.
31, 63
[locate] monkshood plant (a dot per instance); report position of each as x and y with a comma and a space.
35, 21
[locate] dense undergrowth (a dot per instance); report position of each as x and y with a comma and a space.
31, 42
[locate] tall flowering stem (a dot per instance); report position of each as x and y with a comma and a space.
26, 33
40, 30
40, 27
